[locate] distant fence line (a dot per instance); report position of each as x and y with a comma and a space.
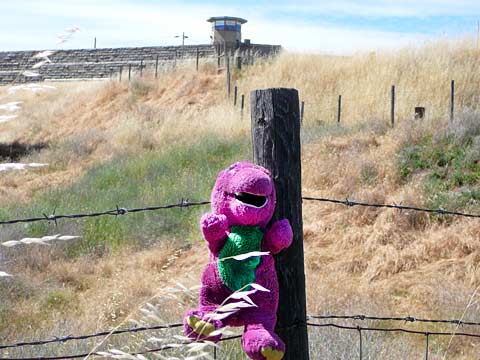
418, 112
337, 103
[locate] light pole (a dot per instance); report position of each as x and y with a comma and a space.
183, 36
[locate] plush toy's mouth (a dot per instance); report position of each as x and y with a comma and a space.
257, 201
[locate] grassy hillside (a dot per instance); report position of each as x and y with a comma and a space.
134, 180
151, 142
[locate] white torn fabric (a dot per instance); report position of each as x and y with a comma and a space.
40, 241
31, 87
72, 29
41, 63
5, 118
11, 106
20, 166
44, 54
28, 73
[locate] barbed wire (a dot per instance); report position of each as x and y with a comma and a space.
351, 203
410, 319
116, 212
427, 334
418, 332
185, 203
63, 339
148, 351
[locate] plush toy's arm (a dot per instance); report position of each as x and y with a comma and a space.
279, 236
214, 228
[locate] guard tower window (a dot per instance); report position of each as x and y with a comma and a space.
228, 25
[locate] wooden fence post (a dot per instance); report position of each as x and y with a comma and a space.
452, 100
129, 71
235, 91
141, 68
276, 146
225, 55
198, 56
392, 106
156, 67
419, 112
242, 105
339, 109
227, 59
302, 110
120, 73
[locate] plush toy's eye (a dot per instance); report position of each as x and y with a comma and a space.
251, 199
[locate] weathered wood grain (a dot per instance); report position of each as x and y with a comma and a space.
276, 146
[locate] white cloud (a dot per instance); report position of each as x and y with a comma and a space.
382, 8
329, 39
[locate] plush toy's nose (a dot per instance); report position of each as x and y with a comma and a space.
253, 182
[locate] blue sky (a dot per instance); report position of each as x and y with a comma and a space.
341, 26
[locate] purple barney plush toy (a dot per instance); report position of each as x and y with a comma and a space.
243, 202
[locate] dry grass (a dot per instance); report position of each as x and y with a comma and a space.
382, 250
357, 260
422, 77
89, 123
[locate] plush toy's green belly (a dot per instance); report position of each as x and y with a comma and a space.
236, 274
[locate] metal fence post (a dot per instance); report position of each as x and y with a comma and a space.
242, 104
227, 59
198, 56
302, 110
360, 342
339, 109
392, 106
452, 100
426, 345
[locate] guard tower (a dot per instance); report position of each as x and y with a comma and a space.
227, 31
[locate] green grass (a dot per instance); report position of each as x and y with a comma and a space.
452, 171
147, 179
60, 300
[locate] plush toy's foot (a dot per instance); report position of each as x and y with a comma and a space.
200, 327
272, 354
196, 328
261, 344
